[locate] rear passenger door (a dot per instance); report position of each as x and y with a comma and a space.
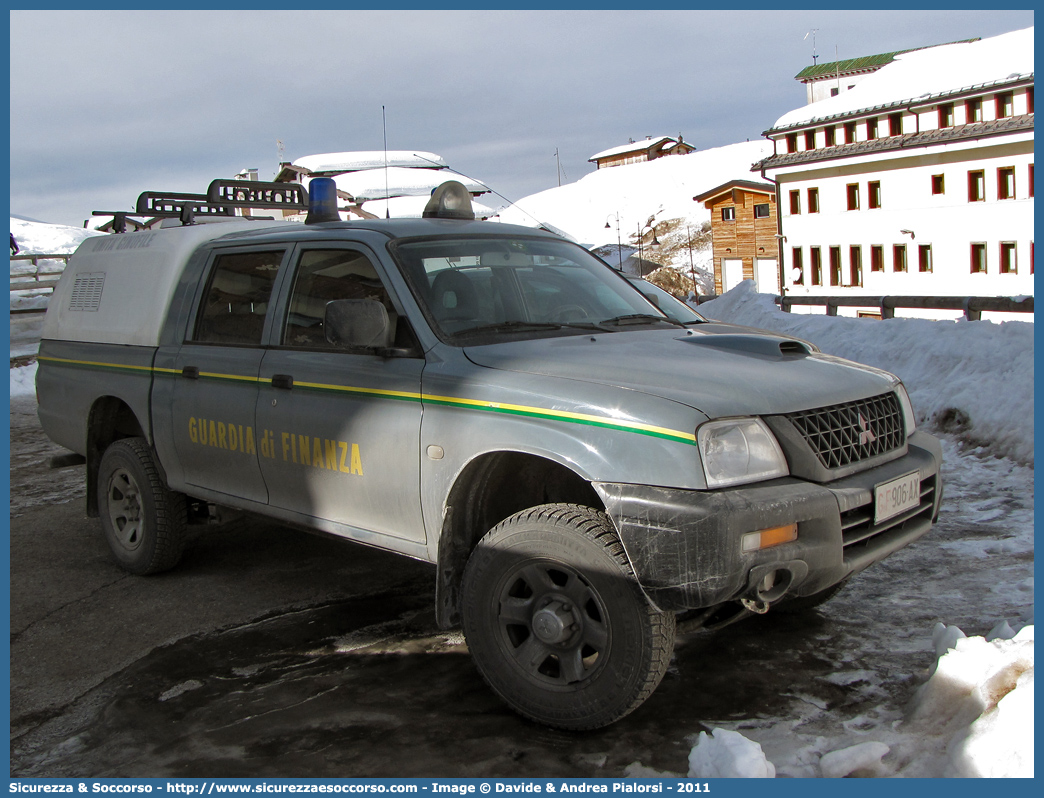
345, 422
215, 373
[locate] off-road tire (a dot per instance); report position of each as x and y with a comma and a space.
556, 621
144, 522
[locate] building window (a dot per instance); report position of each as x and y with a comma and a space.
1005, 102
761, 211
1030, 186
899, 257
835, 265
1007, 258
924, 258
895, 124
850, 132
791, 142
835, 91
795, 202
973, 110
813, 200
817, 265
830, 135
853, 196
810, 139
1029, 100
876, 258
977, 186
978, 259
938, 184
728, 214
1006, 183
873, 191
871, 128
797, 263
946, 115
855, 266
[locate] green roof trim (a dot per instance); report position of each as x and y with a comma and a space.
851, 65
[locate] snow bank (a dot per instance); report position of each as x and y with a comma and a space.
970, 379
979, 704
725, 754
23, 381
972, 718
662, 189
930, 71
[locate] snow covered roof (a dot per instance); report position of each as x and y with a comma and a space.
413, 207
635, 146
852, 66
334, 162
399, 181
920, 74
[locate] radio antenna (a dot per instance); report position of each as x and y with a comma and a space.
387, 199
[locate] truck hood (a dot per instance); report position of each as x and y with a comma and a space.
720, 371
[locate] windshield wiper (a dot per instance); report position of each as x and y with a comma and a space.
641, 318
527, 326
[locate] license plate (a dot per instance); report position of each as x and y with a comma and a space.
892, 498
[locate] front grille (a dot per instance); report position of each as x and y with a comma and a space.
857, 524
854, 431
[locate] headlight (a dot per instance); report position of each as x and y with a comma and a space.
907, 406
739, 450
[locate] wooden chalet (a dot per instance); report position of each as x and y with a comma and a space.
641, 151
744, 231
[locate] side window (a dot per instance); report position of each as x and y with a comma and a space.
325, 275
237, 296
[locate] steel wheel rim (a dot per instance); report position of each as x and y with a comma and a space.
552, 624
124, 507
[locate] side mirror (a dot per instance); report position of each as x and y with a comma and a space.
356, 324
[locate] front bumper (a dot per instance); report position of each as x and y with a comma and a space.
685, 548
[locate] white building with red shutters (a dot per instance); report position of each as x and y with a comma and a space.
918, 181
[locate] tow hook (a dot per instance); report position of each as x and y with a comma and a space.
755, 605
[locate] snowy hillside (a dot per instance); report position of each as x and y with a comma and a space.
38, 238
660, 190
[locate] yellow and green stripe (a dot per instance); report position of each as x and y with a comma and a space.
482, 405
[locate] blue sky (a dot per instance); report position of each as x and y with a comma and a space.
120, 102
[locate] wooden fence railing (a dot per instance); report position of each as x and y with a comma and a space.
42, 275
971, 306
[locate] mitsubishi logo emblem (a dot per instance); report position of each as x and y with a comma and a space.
866, 436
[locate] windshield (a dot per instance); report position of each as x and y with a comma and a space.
479, 290
666, 301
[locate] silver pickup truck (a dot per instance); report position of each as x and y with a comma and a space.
583, 469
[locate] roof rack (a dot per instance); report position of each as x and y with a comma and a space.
222, 199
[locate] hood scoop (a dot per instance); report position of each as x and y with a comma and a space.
757, 345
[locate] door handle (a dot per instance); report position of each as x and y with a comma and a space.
190, 372
284, 381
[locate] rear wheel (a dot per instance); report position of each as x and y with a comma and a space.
556, 621
144, 522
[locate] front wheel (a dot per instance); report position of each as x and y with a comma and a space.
144, 521
557, 622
